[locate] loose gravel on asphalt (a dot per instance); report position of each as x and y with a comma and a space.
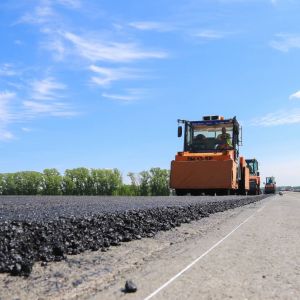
49, 228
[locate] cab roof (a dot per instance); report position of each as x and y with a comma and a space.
213, 122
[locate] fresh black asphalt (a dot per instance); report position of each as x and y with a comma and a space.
47, 228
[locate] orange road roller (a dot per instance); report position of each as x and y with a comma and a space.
210, 162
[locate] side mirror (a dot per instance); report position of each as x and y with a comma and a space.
264, 183
179, 133
257, 173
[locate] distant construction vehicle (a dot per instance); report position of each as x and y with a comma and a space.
270, 185
210, 161
254, 176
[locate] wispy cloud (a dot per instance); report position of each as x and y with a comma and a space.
210, 34
156, 26
286, 42
108, 75
26, 129
45, 11
6, 135
42, 13
6, 98
99, 50
282, 117
56, 109
130, 96
43, 99
46, 89
295, 95
70, 3
249, 1
7, 70
55, 45
18, 42
6, 116
95, 50
13, 111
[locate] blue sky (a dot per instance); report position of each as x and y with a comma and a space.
101, 84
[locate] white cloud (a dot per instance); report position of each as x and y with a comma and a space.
56, 109
70, 3
286, 42
86, 47
50, 90
119, 97
41, 14
56, 46
45, 11
6, 116
13, 111
130, 96
283, 117
26, 129
7, 70
210, 34
100, 50
6, 98
46, 89
249, 1
107, 75
6, 135
157, 26
18, 42
295, 95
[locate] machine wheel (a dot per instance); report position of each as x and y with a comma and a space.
242, 190
257, 190
196, 192
180, 192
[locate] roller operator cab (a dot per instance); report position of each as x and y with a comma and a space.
210, 161
270, 185
254, 176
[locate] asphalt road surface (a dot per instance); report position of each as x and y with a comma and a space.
45, 208
249, 252
252, 255
47, 229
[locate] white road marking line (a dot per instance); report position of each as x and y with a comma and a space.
201, 256
259, 210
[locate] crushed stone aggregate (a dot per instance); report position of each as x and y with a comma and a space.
44, 229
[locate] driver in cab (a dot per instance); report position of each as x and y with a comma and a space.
224, 140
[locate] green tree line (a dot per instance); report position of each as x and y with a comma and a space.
83, 181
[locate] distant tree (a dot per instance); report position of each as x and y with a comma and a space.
105, 182
68, 183
99, 182
144, 179
114, 181
52, 182
9, 184
159, 182
83, 181
134, 186
76, 181
28, 183
2, 183
126, 190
